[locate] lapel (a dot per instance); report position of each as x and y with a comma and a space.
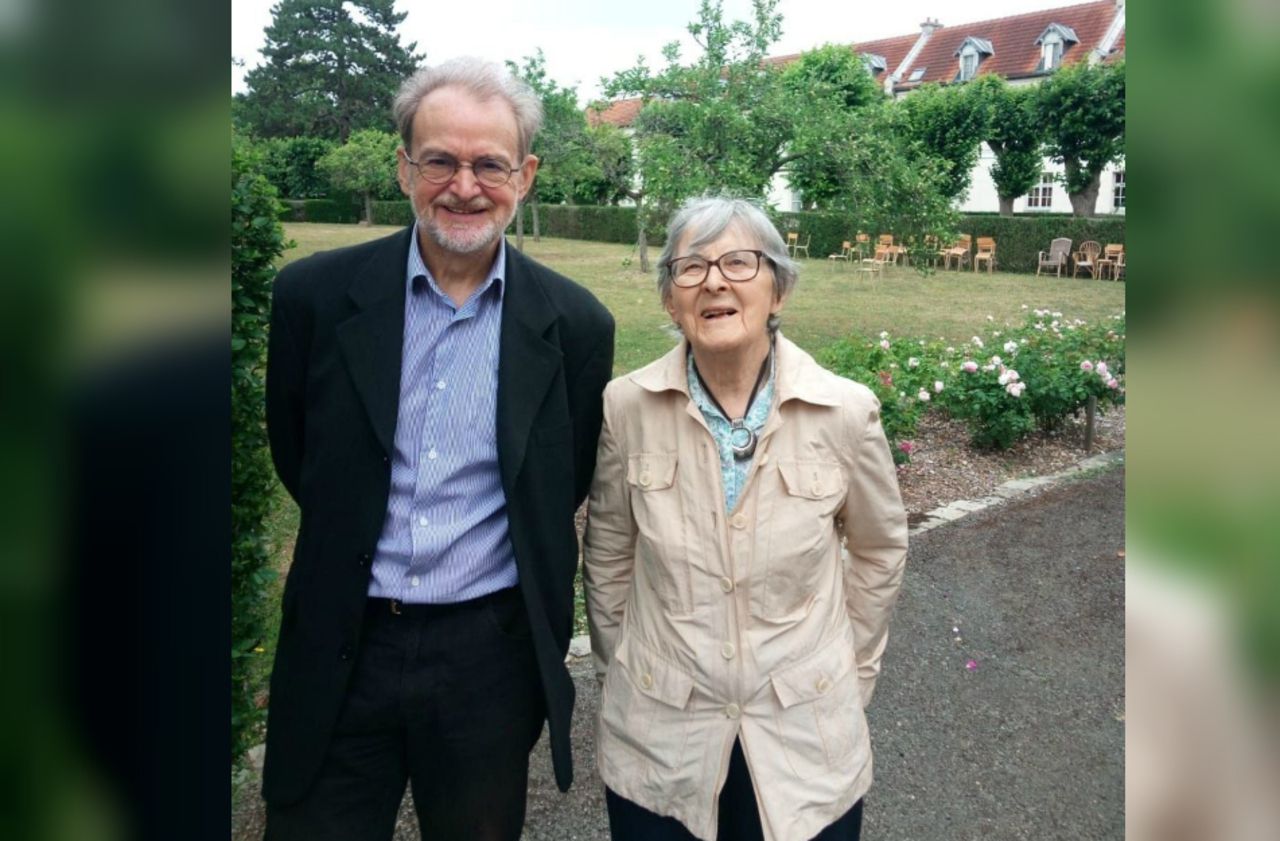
371, 340
529, 357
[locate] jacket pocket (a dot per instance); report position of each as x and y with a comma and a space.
644, 713
799, 557
819, 718
662, 550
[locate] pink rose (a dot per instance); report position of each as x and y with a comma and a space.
969, 366
1086, 366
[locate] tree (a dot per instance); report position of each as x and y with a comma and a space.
719, 123
365, 164
827, 87
564, 158
332, 67
951, 122
1016, 137
1082, 108
291, 165
889, 182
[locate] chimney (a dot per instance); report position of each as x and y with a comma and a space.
930, 25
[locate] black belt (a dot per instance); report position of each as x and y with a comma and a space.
397, 607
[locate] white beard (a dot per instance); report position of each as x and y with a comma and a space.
462, 241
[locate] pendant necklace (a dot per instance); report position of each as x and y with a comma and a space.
742, 438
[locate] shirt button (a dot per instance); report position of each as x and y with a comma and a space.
726, 583
646, 681
440, 385
817, 489
644, 480
728, 650
432, 453
739, 521
823, 685
413, 582
422, 521
733, 711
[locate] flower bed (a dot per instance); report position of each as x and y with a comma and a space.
1002, 385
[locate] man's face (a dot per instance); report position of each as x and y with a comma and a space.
463, 216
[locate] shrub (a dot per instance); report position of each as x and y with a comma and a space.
256, 241
1002, 386
393, 212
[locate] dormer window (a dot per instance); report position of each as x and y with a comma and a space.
1054, 41
970, 54
875, 63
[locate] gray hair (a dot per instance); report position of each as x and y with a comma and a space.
706, 218
482, 79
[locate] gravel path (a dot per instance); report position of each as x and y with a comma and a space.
1011, 727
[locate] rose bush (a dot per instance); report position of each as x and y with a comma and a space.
1002, 385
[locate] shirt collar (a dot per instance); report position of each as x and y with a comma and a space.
796, 375
417, 267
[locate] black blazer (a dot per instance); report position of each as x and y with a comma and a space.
333, 389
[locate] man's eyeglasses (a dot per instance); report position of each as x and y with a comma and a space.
438, 169
737, 266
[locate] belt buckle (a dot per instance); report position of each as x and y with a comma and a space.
395, 607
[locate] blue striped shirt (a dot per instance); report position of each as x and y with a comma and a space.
445, 538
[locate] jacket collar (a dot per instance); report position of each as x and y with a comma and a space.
799, 377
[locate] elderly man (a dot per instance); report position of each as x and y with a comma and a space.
434, 403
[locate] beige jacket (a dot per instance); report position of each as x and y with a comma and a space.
707, 627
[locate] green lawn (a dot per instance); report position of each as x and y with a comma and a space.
829, 303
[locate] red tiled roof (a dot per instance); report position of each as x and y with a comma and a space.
620, 113
1117, 52
1013, 40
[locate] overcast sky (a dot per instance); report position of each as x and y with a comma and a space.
586, 39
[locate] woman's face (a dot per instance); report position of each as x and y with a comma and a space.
720, 316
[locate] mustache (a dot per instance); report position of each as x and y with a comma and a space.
465, 207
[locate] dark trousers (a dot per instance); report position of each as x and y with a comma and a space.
445, 697
739, 816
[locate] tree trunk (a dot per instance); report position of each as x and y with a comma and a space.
537, 227
642, 242
520, 225
1085, 202
368, 208
1006, 205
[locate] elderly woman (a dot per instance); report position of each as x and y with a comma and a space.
737, 644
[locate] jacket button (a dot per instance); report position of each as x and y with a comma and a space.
733, 711
646, 681
726, 583
739, 521
364, 559
346, 653
823, 686
728, 650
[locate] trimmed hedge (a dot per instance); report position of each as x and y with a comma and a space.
1019, 239
332, 211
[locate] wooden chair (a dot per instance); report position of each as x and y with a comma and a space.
802, 246
872, 267
1087, 258
959, 251
846, 253
1117, 271
986, 251
793, 239
1111, 259
1056, 257
862, 244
